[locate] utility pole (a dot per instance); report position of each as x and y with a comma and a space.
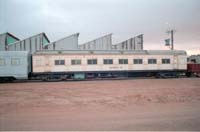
171, 32
172, 39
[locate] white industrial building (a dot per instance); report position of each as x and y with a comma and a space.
31, 44
67, 43
101, 43
41, 42
7, 39
134, 43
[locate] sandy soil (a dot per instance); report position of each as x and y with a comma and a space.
138, 104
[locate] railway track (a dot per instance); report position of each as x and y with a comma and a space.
94, 79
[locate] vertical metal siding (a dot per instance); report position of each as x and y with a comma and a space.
135, 43
102, 43
2, 42
31, 44
67, 43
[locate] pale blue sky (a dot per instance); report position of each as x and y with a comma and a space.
94, 18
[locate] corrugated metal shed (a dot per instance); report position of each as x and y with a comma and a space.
31, 44
6, 39
101, 43
66, 43
135, 43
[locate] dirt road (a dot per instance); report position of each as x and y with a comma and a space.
140, 104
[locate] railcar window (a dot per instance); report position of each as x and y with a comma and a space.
152, 61
193, 60
137, 61
15, 61
107, 61
92, 61
76, 62
123, 61
2, 61
59, 62
165, 61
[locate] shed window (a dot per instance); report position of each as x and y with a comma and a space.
88, 46
123, 61
137, 61
126, 44
15, 61
2, 61
59, 62
20, 45
76, 62
54, 46
122, 45
36, 44
92, 61
108, 61
152, 61
24, 45
165, 61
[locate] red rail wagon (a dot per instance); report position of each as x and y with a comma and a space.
193, 69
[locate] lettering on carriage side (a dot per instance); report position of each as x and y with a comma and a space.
116, 67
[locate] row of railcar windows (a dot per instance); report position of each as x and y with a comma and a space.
14, 61
110, 61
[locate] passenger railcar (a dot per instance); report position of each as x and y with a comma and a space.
99, 64
14, 65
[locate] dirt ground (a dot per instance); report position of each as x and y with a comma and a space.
136, 104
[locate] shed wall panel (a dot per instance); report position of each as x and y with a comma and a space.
2, 42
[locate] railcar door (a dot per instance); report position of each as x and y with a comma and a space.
175, 62
182, 62
48, 66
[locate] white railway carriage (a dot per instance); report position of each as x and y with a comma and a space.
14, 65
98, 64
